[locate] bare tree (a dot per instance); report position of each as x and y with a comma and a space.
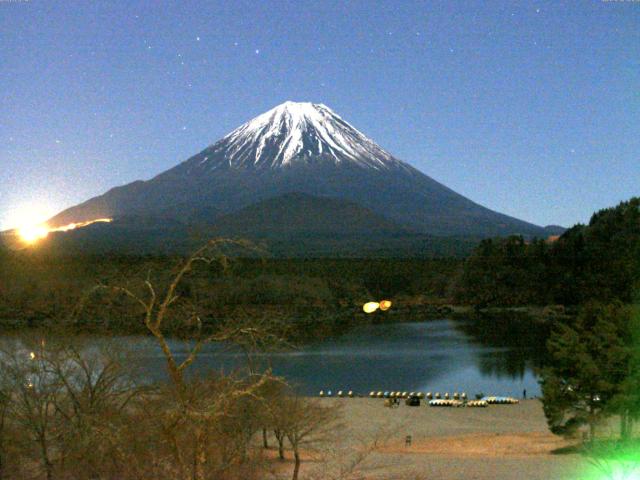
58, 397
340, 461
5, 402
191, 407
81, 413
97, 385
346, 456
309, 425
34, 391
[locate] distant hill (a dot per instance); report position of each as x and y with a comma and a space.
298, 225
291, 225
553, 230
299, 215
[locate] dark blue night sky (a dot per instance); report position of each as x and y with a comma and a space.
529, 108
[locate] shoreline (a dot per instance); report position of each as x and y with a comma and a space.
403, 311
510, 442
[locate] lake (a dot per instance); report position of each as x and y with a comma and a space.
436, 356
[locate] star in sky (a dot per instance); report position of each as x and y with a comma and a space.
295, 56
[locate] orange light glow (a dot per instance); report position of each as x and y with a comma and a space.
31, 234
73, 226
385, 305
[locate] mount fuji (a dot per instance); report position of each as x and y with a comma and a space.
294, 152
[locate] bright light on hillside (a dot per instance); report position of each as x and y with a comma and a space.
28, 220
32, 233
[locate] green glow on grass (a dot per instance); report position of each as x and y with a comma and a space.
622, 475
620, 465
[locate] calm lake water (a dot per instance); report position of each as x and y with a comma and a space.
436, 356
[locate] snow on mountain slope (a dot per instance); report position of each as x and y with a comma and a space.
298, 148
296, 132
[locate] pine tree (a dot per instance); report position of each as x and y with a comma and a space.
589, 364
627, 402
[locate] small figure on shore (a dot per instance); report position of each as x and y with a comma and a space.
524, 394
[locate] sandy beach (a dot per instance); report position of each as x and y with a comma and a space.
507, 442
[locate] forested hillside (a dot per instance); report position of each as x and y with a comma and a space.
595, 262
599, 261
313, 296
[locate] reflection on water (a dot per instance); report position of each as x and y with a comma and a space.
431, 356
519, 343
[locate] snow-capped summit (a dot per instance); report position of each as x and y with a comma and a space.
297, 132
301, 148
